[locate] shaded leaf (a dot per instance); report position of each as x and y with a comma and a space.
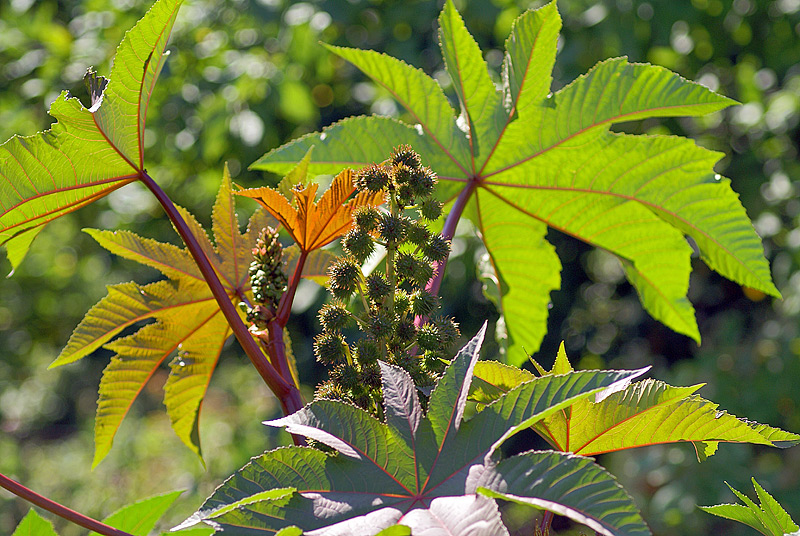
533, 160
87, 153
418, 470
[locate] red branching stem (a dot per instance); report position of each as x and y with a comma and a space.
449, 232
547, 520
285, 305
283, 389
58, 509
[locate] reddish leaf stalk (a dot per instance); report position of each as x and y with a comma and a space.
285, 305
285, 391
547, 521
449, 232
58, 509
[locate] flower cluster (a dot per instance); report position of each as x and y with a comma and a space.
389, 301
267, 279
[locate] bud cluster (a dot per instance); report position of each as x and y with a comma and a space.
267, 279
389, 299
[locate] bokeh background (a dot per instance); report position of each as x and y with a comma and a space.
248, 75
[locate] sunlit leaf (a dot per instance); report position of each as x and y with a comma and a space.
87, 153
527, 160
34, 525
768, 518
140, 518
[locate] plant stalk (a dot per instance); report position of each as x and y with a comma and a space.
285, 391
58, 509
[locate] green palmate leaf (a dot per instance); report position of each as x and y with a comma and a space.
422, 471
526, 160
87, 153
644, 413
188, 322
140, 518
769, 518
34, 525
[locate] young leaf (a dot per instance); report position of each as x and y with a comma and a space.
141, 517
644, 413
417, 470
769, 518
187, 320
315, 224
87, 153
526, 160
34, 525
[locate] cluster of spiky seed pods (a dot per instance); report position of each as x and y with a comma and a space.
387, 302
267, 279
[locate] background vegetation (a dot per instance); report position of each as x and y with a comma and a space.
246, 76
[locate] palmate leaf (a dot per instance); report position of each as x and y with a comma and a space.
430, 472
87, 153
34, 525
526, 159
768, 518
644, 413
188, 321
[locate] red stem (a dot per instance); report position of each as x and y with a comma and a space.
285, 305
448, 232
286, 391
58, 509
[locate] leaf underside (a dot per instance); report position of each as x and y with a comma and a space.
429, 472
87, 153
539, 159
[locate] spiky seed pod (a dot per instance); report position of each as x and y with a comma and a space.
366, 217
347, 376
373, 178
402, 174
392, 228
361, 397
358, 243
407, 362
405, 195
334, 317
423, 303
329, 390
437, 248
423, 180
377, 287
417, 233
343, 278
405, 265
329, 348
366, 352
430, 209
402, 302
405, 330
406, 156
380, 326
371, 375
429, 337
448, 329
423, 271
432, 363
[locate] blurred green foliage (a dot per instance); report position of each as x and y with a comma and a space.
246, 76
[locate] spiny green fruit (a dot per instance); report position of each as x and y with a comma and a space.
377, 287
429, 337
347, 376
334, 317
329, 390
373, 178
423, 303
405, 155
380, 326
448, 329
329, 348
371, 375
366, 352
405, 330
358, 243
430, 209
366, 218
402, 302
437, 248
392, 228
417, 234
343, 276
422, 181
